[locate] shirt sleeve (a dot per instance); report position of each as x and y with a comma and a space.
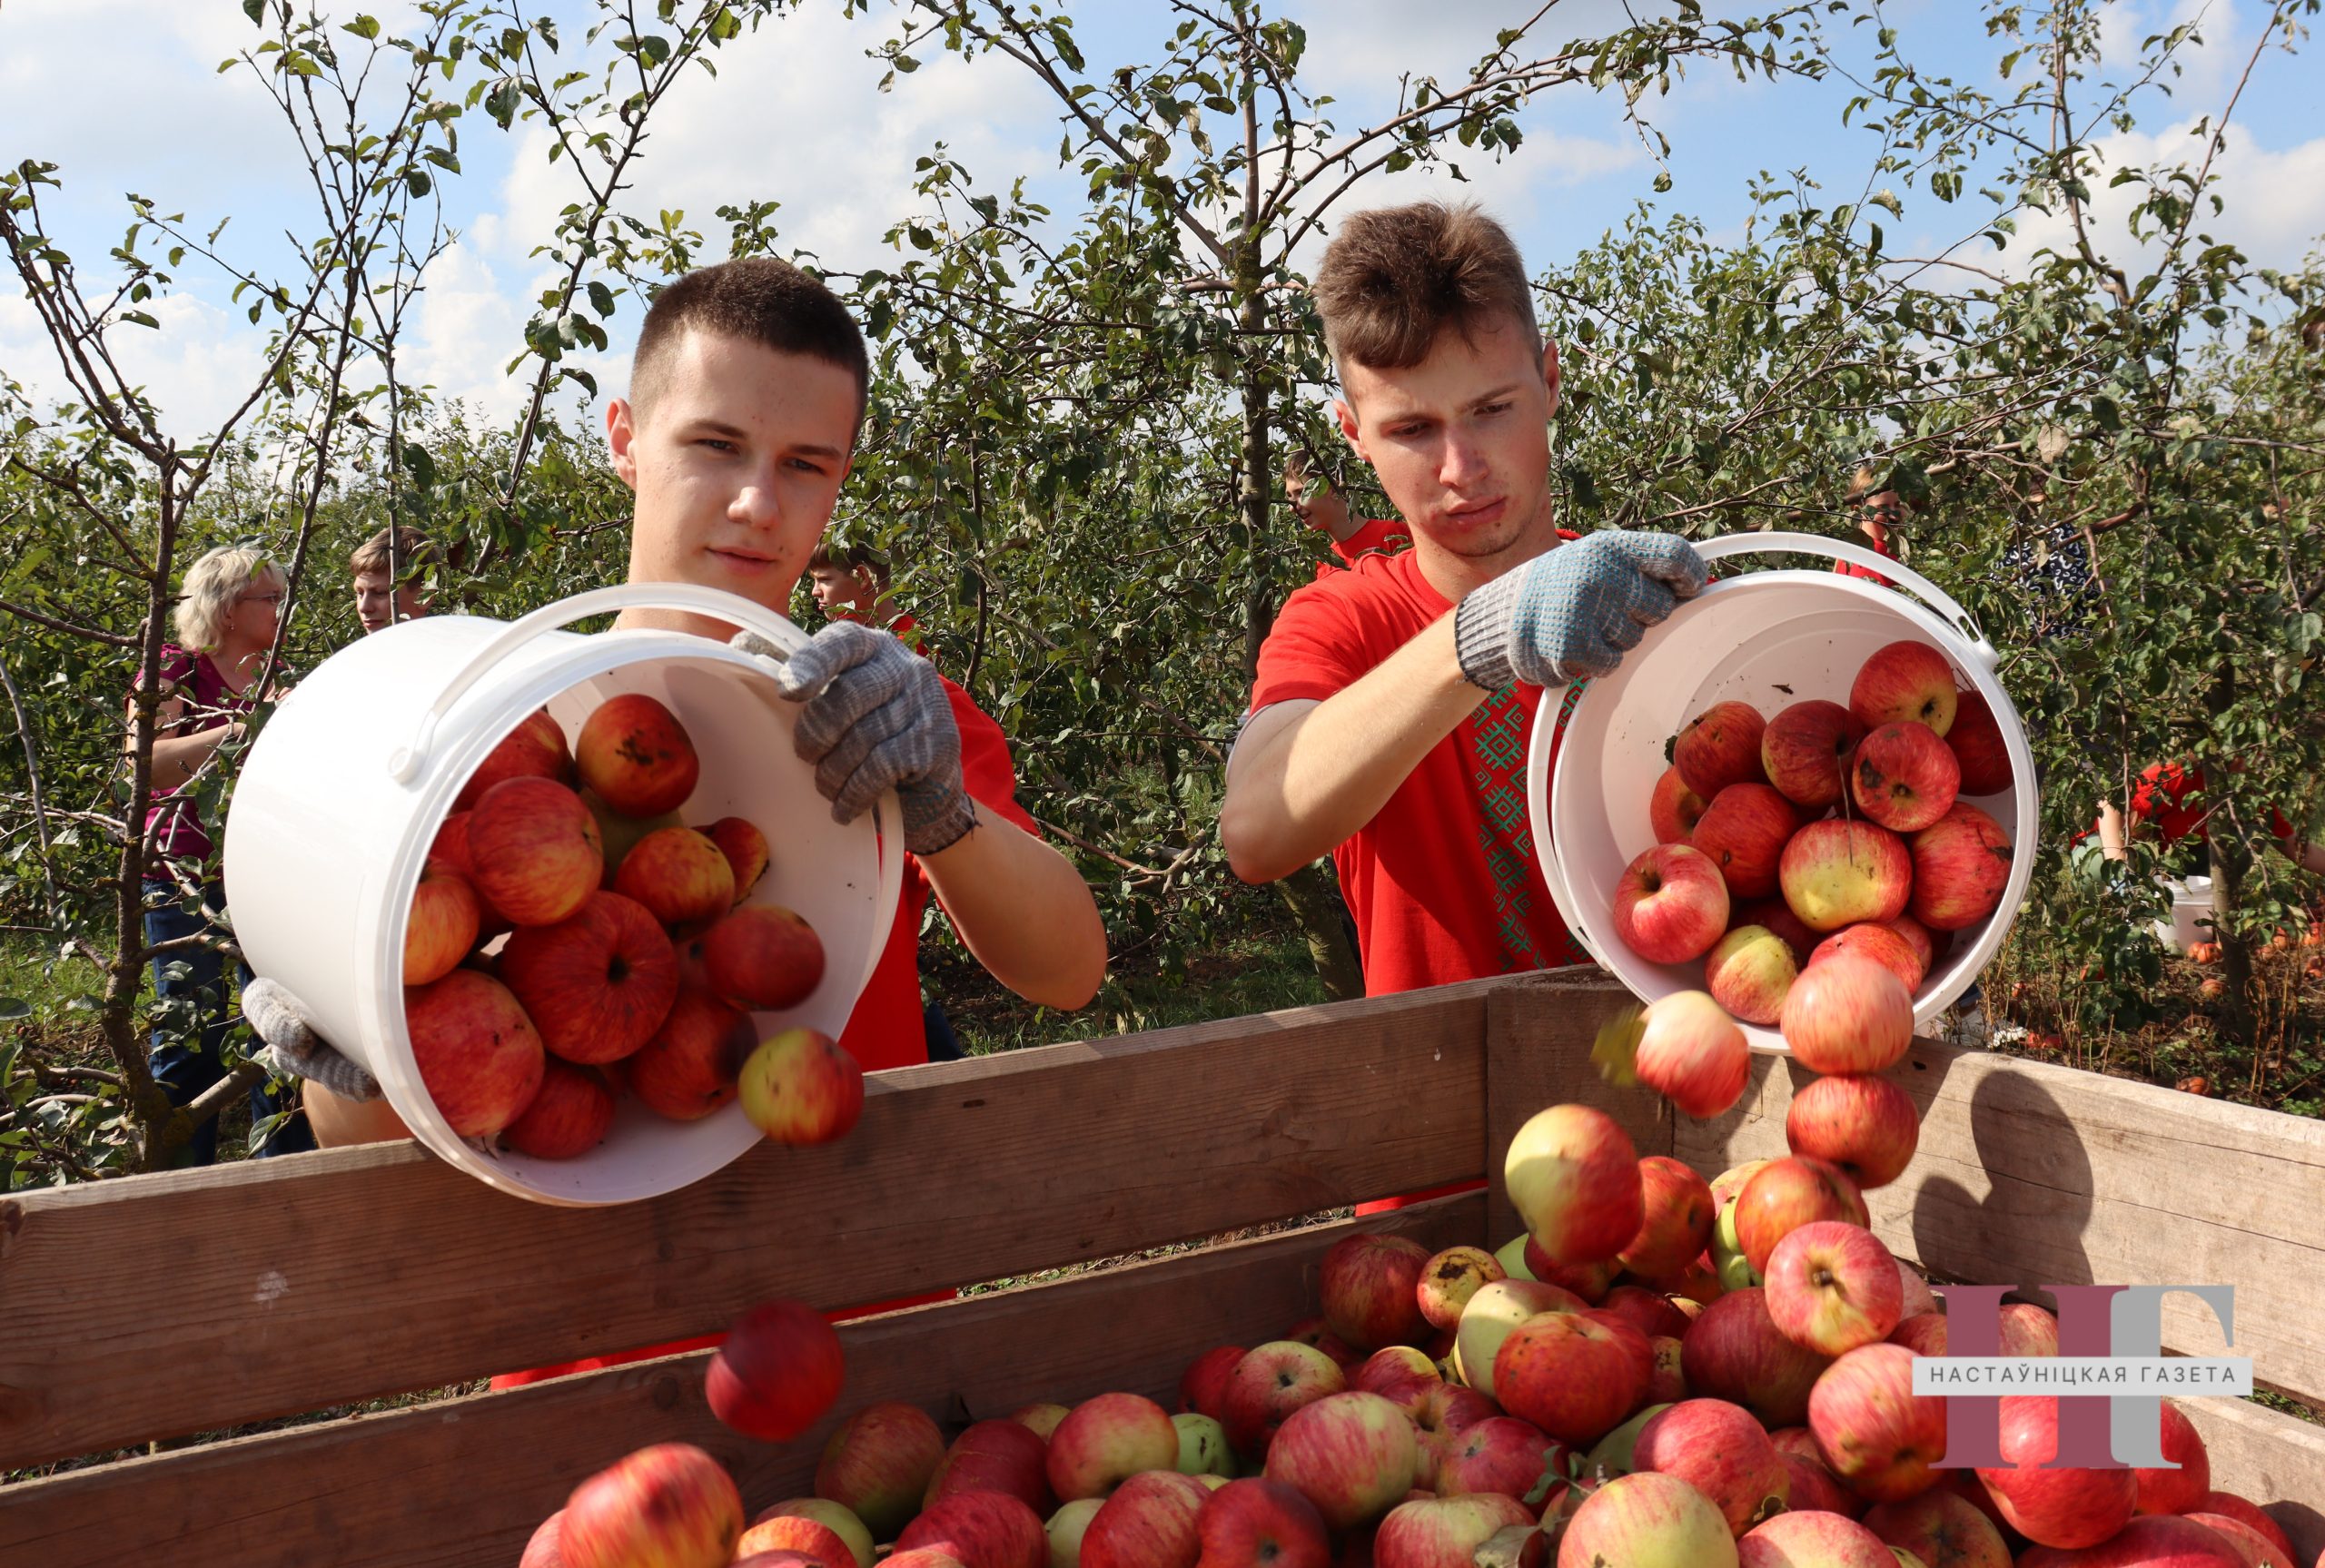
987, 770
1314, 649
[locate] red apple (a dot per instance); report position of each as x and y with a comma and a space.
1865, 1125
2149, 1543
1960, 864
1923, 1332
1668, 1383
1148, 1522
2180, 1490
1720, 747
2028, 1330
1787, 1194
1444, 1532
1848, 1015
1879, 941
1440, 1412
1917, 1296
1979, 749
1256, 1522
1041, 1419
995, 1456
1775, 914
1903, 777
1905, 681
691, 1065
1588, 1281
778, 1370
1651, 1312
534, 749
1735, 1352
1203, 1387
1833, 1286
448, 855
1449, 1278
1646, 1519
567, 1116
2253, 1549
541, 1550
1400, 1374
1571, 1375
1671, 905
1750, 970
671, 1505
878, 1464
763, 956
1492, 1315
1635, 1344
1812, 1539
802, 1087
476, 1050
1314, 1331
1107, 1439
745, 848
1881, 1440
1917, 937
1369, 1290
982, 1529
1500, 1454
1353, 1455
2239, 1508
1270, 1382
598, 984
619, 834
1744, 831
679, 874
1686, 1048
1942, 1529
1837, 873
840, 1521
1573, 1177
1673, 810
1815, 1488
635, 755
809, 1540
440, 928
919, 1557
1722, 1452
1806, 752
535, 850
1674, 1228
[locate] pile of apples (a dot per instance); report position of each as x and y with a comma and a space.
1784, 841
629, 961
1588, 1397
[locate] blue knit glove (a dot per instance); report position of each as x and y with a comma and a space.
1573, 613
876, 718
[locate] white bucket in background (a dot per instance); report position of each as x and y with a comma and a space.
1769, 639
2191, 901
345, 787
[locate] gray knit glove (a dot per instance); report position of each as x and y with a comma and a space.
1572, 613
876, 718
294, 1049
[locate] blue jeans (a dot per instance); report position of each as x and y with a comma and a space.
188, 1054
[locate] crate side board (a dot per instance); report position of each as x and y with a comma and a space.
462, 1484
2268, 1458
153, 1307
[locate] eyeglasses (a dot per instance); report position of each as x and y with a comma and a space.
272, 598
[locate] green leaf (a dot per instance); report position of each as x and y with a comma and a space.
601, 298
417, 182
140, 318
13, 1007
256, 11
363, 27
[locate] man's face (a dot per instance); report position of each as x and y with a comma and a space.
838, 588
373, 599
1461, 441
1880, 512
736, 465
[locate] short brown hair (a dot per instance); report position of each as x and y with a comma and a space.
850, 558
1865, 483
760, 299
415, 553
1394, 278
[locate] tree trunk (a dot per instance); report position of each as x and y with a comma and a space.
1311, 897
2229, 862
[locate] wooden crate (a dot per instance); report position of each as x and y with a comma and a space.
160, 1306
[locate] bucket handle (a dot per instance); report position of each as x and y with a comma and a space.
1903, 575
405, 764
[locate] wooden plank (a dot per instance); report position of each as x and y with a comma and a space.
1538, 1034
157, 1306
2031, 1175
461, 1484
2267, 1457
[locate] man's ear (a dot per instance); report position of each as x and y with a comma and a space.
621, 432
1550, 373
1346, 416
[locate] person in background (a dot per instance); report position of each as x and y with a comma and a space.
1319, 502
229, 605
1877, 512
388, 591
851, 583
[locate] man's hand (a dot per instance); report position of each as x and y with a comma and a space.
876, 718
294, 1049
1573, 613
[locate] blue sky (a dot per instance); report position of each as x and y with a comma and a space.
793, 116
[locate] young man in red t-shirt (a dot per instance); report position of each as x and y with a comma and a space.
1877, 512
851, 583
1387, 727
1320, 504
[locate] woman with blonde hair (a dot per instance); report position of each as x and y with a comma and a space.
229, 607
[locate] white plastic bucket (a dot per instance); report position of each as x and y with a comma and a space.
344, 788
1769, 639
2192, 912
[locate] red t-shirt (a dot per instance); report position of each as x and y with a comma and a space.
1379, 536
1443, 880
1879, 548
901, 628
2171, 797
